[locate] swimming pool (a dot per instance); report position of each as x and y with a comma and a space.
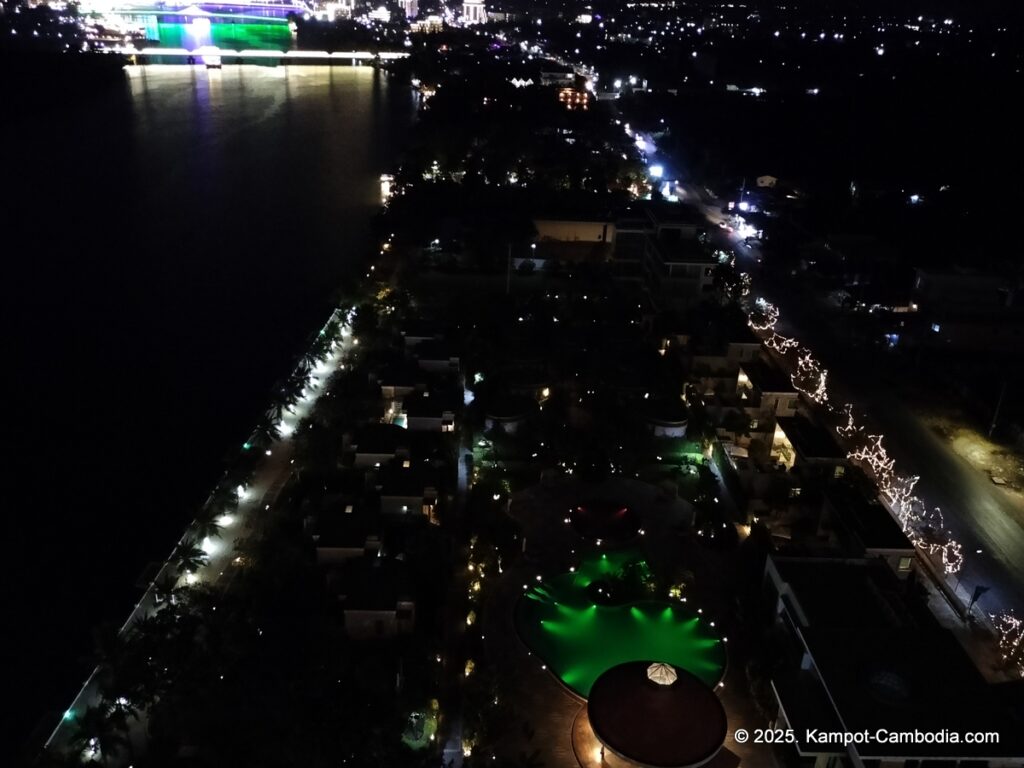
579, 639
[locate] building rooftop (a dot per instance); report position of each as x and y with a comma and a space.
767, 378
841, 594
432, 401
809, 439
397, 480
340, 529
880, 661
379, 438
665, 410
681, 250
663, 213
434, 349
905, 680
501, 404
401, 373
806, 704
866, 518
420, 328
371, 583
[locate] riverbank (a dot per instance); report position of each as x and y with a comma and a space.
178, 236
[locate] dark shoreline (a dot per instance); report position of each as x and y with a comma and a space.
87, 473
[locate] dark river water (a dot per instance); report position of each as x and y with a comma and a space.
168, 245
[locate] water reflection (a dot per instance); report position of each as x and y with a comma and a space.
182, 234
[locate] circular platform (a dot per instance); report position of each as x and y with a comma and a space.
681, 724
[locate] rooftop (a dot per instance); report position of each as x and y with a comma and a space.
432, 402
767, 378
402, 373
341, 529
396, 480
371, 583
434, 349
681, 250
666, 214
866, 518
843, 594
905, 680
810, 439
379, 438
678, 724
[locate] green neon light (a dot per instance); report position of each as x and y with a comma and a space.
578, 640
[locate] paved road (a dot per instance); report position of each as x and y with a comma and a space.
979, 515
977, 512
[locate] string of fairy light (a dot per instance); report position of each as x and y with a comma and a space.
924, 525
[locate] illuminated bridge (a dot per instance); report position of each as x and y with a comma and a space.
207, 53
280, 9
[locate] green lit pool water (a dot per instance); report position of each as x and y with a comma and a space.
579, 640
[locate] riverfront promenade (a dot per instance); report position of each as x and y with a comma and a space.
255, 500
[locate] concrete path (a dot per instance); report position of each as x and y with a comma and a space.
254, 502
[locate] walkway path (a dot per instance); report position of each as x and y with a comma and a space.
254, 501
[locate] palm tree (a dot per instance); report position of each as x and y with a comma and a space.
275, 412
206, 525
311, 357
119, 709
189, 557
265, 434
240, 473
51, 758
304, 367
317, 348
164, 591
332, 331
223, 499
97, 733
290, 389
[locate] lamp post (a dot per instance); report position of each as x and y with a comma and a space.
978, 592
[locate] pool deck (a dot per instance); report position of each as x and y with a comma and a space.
557, 717
549, 707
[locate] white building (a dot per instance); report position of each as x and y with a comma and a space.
342, 9
409, 7
474, 12
429, 25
